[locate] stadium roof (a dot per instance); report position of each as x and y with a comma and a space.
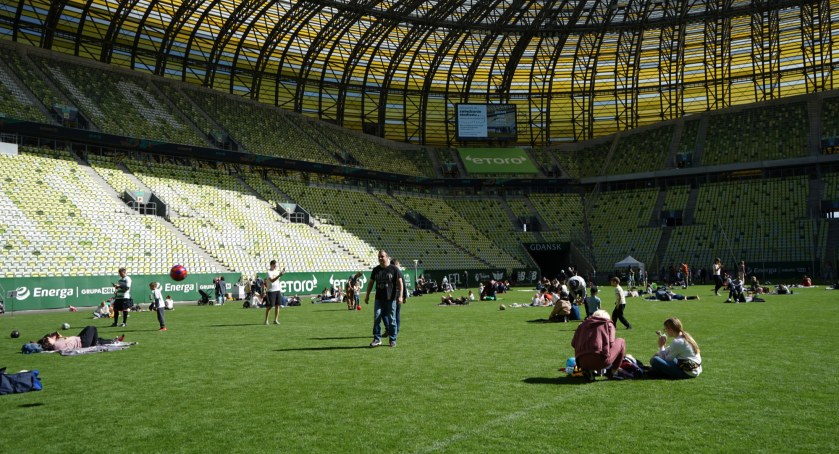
575, 69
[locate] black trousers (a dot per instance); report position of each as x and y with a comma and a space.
90, 337
617, 314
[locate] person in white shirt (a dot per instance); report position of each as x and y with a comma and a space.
170, 304
274, 297
158, 304
620, 303
716, 272
680, 359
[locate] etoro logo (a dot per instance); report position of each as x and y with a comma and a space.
299, 286
497, 160
22, 293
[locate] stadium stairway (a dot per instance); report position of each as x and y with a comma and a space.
690, 207
815, 195
112, 193
655, 216
699, 150
675, 140
832, 247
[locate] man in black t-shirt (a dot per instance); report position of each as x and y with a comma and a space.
389, 291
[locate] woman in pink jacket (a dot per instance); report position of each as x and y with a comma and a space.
596, 348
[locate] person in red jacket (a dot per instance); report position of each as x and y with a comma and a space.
596, 348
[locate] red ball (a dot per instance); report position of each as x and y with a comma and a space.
178, 273
358, 308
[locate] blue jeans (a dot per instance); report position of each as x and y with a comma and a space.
669, 369
385, 311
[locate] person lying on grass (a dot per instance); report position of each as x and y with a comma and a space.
88, 337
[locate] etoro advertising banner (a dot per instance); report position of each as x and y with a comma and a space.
497, 160
31, 293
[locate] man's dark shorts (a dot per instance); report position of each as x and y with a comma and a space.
273, 299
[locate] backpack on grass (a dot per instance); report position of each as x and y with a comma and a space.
20, 382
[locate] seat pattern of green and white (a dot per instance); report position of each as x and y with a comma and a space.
15, 102
340, 237
455, 228
65, 223
236, 227
363, 215
619, 226
487, 215
120, 103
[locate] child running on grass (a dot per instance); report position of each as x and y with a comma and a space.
620, 303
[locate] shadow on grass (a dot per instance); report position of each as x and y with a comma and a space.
34, 404
556, 381
316, 349
543, 321
338, 338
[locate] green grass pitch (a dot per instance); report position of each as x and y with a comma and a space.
462, 379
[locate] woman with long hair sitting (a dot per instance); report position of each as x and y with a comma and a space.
681, 358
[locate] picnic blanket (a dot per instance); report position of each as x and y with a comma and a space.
95, 349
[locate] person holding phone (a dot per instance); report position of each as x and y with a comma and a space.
680, 359
122, 297
274, 297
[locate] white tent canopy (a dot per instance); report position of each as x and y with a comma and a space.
629, 261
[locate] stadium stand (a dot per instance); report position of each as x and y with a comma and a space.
61, 222
367, 217
15, 102
757, 134
641, 151
752, 220
563, 214
368, 153
619, 223
589, 161
451, 225
487, 215
120, 103
236, 227
261, 129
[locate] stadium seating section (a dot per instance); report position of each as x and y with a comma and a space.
59, 221
15, 101
776, 132
63, 215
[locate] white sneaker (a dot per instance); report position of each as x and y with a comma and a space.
375, 343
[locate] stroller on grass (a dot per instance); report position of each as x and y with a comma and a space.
205, 298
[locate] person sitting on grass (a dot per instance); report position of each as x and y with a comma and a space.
596, 347
169, 303
680, 359
88, 337
561, 310
104, 311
